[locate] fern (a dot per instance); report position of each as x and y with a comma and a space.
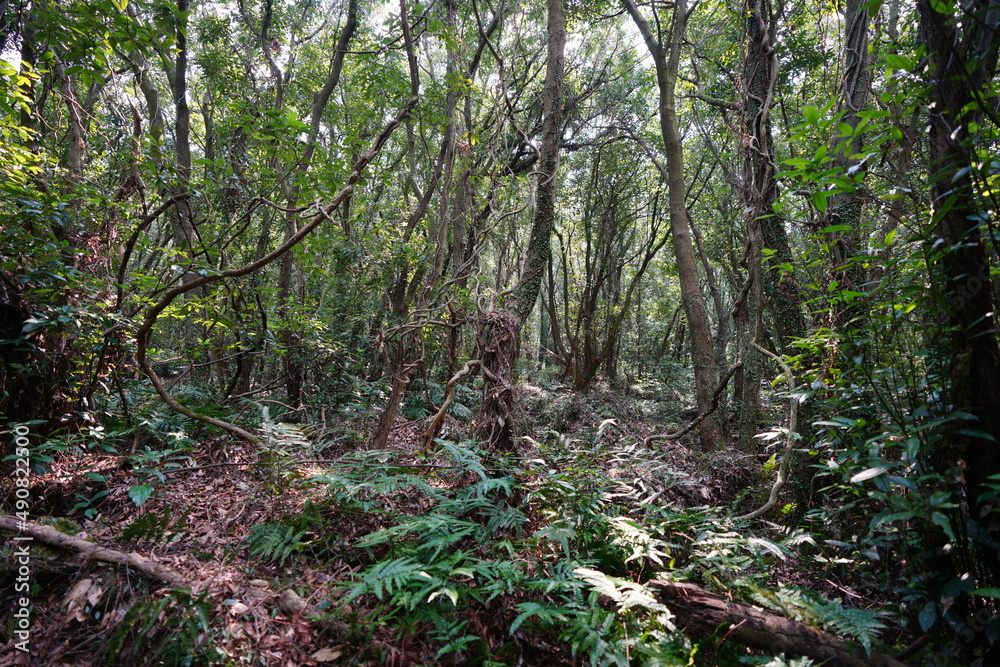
385, 577
172, 630
275, 543
281, 437
626, 594
588, 635
545, 614
466, 457
862, 624
806, 606
131, 618
630, 536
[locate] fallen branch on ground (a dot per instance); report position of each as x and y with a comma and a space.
701, 613
89, 550
716, 396
288, 602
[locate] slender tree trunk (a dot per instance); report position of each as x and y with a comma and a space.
185, 234
784, 297
499, 329
758, 191
293, 367
77, 142
722, 337
666, 59
844, 208
404, 344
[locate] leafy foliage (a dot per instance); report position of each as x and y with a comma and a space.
274, 542
150, 635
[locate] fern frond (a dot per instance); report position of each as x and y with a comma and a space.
387, 576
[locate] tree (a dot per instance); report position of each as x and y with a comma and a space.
666, 52
499, 329
962, 51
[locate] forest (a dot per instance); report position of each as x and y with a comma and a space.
498, 332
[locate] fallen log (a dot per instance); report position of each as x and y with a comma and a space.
701, 613
52, 537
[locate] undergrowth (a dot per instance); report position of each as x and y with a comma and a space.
546, 560
466, 559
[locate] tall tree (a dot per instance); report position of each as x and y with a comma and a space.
962, 50
665, 48
844, 209
500, 328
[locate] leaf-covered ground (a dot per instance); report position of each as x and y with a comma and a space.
448, 558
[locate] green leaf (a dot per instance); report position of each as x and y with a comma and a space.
450, 592
798, 162
836, 228
987, 592
868, 474
819, 200
811, 114
896, 61
140, 494
976, 433
902, 481
928, 615
33, 323
890, 517
939, 519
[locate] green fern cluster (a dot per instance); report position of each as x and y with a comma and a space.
451, 547
282, 443
275, 543
172, 630
451, 559
863, 625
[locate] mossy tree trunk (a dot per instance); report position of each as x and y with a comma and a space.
499, 329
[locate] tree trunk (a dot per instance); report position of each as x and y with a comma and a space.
962, 61
844, 208
704, 614
498, 330
667, 61
293, 367
185, 233
77, 142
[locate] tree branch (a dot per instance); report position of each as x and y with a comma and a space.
149, 321
53, 537
793, 415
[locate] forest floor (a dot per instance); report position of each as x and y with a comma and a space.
242, 524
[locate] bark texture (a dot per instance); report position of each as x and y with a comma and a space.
666, 59
962, 61
499, 329
701, 613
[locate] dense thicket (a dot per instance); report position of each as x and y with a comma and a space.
388, 226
